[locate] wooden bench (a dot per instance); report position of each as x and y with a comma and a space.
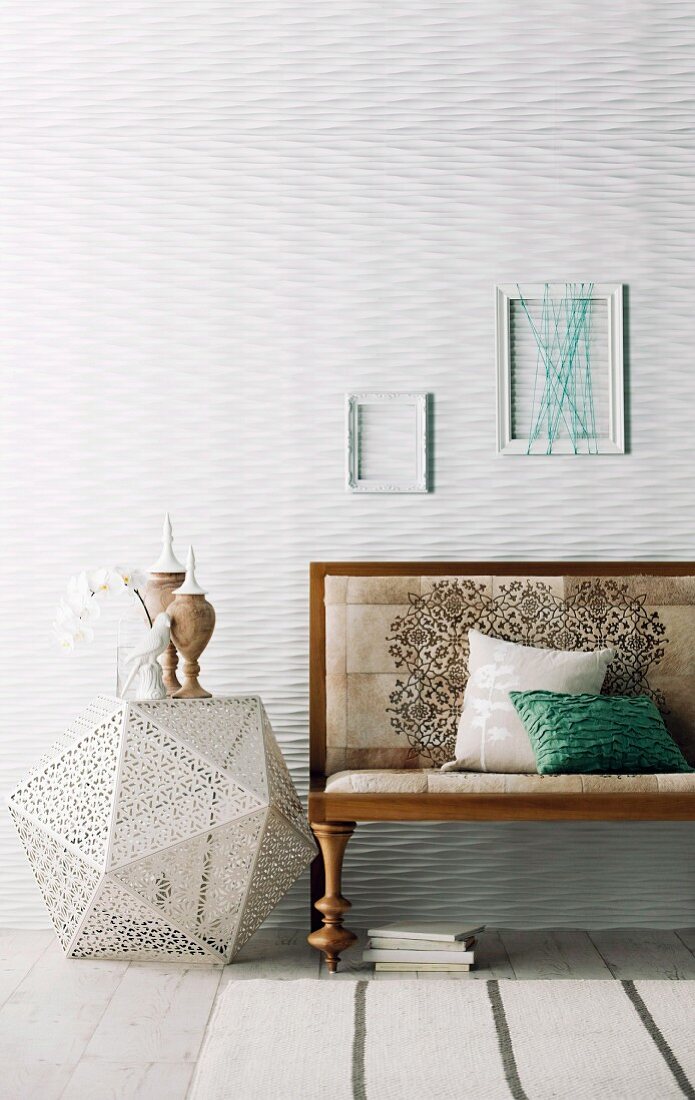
619, 601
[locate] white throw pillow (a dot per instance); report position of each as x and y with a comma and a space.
491, 736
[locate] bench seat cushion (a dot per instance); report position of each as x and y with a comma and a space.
432, 780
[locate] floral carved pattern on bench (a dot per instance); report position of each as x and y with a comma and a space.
430, 643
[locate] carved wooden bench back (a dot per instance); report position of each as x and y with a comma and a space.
395, 647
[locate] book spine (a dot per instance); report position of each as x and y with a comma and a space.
444, 937
418, 956
424, 968
382, 943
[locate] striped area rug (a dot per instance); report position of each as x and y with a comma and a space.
412, 1040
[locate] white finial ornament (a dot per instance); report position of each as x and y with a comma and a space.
190, 586
167, 562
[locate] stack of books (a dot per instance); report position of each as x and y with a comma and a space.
423, 946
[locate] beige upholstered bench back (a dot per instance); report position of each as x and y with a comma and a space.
389, 672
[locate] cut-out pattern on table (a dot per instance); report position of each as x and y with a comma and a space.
121, 926
73, 794
66, 881
220, 730
194, 857
430, 641
282, 792
219, 861
167, 792
282, 856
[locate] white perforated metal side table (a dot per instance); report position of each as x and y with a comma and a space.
165, 829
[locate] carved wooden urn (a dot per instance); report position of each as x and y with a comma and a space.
166, 574
192, 624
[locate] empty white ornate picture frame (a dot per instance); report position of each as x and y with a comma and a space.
386, 442
560, 387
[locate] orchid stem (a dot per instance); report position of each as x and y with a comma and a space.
143, 606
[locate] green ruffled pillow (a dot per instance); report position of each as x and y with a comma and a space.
597, 734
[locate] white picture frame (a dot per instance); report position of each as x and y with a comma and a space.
414, 478
611, 443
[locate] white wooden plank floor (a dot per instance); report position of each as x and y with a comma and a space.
81, 1030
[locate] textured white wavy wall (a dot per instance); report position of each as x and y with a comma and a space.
217, 217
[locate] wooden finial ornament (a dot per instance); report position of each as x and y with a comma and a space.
192, 624
166, 574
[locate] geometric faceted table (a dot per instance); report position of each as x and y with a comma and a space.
165, 829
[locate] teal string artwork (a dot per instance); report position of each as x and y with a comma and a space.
562, 389
560, 380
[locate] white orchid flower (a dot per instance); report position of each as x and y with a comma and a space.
66, 617
82, 600
66, 625
105, 582
65, 639
84, 633
70, 625
90, 611
79, 592
132, 578
80, 607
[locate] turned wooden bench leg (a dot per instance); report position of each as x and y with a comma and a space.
332, 938
318, 889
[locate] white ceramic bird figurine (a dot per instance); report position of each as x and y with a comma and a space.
144, 660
